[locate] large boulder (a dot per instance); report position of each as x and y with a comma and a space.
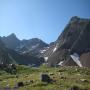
46, 78
20, 84
75, 88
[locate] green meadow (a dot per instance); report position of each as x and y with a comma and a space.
63, 78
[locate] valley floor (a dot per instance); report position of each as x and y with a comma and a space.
63, 78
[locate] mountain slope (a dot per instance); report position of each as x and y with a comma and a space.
32, 46
5, 57
11, 41
9, 56
74, 39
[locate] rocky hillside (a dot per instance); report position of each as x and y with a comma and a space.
73, 45
5, 57
32, 46
72, 48
11, 41
9, 56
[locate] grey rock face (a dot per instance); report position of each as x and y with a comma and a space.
74, 39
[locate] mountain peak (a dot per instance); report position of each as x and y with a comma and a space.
12, 35
11, 41
78, 19
74, 19
36, 39
74, 39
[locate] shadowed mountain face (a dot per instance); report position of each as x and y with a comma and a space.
9, 56
11, 41
4, 55
32, 46
74, 39
76, 35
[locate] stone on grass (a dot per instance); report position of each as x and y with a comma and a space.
74, 88
83, 80
20, 84
46, 78
51, 74
31, 81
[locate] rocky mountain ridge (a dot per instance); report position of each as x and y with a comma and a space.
75, 41
10, 56
33, 46
72, 48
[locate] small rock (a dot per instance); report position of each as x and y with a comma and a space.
17, 76
20, 84
74, 88
83, 80
51, 74
63, 77
31, 81
46, 78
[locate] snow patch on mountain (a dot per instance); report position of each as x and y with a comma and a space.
60, 63
46, 58
35, 46
19, 47
75, 58
31, 48
43, 50
55, 48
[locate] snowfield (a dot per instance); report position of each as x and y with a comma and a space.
75, 58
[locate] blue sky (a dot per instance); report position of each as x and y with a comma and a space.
44, 19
